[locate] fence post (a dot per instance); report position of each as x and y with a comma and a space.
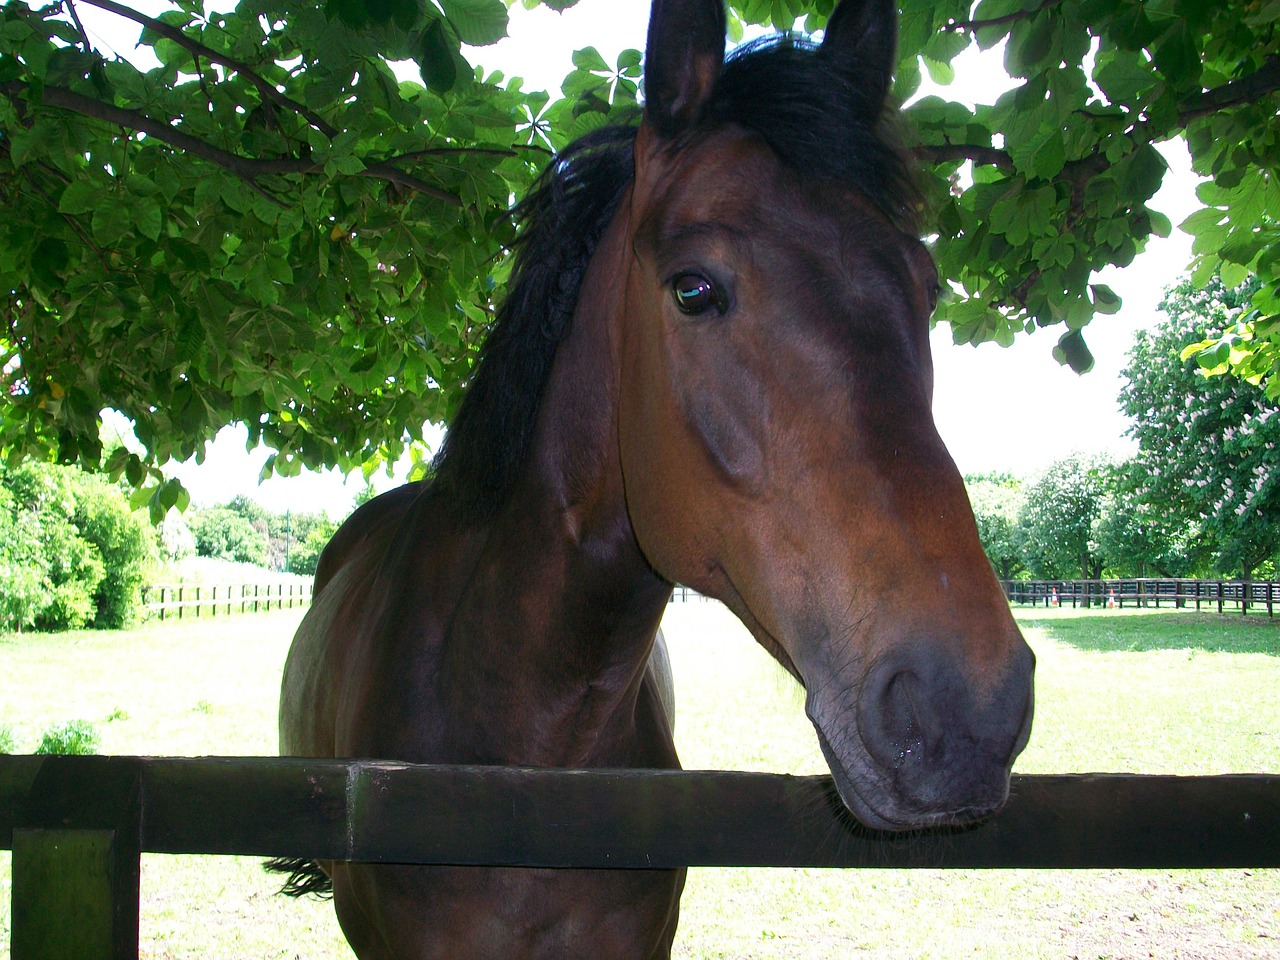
75, 891
181, 605
213, 607
162, 604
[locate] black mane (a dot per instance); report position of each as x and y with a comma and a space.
806, 109
562, 220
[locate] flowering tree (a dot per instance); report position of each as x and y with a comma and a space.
1207, 445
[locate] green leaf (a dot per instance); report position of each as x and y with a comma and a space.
477, 22
49, 260
147, 216
1105, 299
1177, 57
629, 63
111, 222
81, 196
939, 72
1073, 352
1233, 274
435, 58
588, 58
1124, 76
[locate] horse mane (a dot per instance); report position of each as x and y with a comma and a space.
806, 108
561, 222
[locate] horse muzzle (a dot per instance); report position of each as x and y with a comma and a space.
920, 743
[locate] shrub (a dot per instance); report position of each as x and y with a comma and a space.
71, 552
304, 557
126, 543
7, 744
76, 737
226, 535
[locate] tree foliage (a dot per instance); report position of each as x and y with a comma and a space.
305, 556
1207, 445
224, 534
72, 553
1061, 511
264, 224
1137, 537
997, 502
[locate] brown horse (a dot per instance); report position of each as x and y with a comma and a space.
713, 368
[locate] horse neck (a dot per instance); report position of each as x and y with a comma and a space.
549, 645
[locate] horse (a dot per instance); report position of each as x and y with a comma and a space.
712, 368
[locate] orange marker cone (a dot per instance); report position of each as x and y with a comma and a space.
1111, 600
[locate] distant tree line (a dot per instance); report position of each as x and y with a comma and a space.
1200, 498
74, 554
244, 531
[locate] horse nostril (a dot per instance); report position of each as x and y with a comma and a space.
901, 729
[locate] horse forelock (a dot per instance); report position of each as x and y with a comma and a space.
814, 119
819, 122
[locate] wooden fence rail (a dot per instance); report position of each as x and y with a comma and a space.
195, 599
77, 826
1242, 595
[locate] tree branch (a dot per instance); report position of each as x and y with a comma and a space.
948, 152
75, 18
971, 26
1249, 89
1245, 90
71, 222
248, 169
198, 49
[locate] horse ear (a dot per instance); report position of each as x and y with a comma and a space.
683, 57
862, 36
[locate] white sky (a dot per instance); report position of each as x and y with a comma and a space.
1011, 409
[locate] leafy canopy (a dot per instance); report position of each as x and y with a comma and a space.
1207, 446
259, 222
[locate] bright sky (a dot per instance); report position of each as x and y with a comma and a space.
1011, 409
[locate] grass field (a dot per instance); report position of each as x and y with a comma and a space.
1140, 691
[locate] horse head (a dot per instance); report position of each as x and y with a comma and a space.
775, 427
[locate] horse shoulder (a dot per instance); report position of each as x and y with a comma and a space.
325, 643
374, 520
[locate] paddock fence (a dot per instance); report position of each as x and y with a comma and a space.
176, 600
78, 825
683, 594
1182, 593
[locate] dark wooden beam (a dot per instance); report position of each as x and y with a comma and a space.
636, 819
76, 846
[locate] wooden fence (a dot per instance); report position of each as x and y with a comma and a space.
683, 594
77, 826
1241, 595
194, 600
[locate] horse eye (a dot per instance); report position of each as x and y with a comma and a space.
694, 294
935, 291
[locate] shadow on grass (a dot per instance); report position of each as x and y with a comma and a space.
1109, 631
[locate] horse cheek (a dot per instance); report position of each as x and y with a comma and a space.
729, 447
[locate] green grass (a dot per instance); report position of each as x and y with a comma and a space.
1141, 630
1134, 691
1197, 708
